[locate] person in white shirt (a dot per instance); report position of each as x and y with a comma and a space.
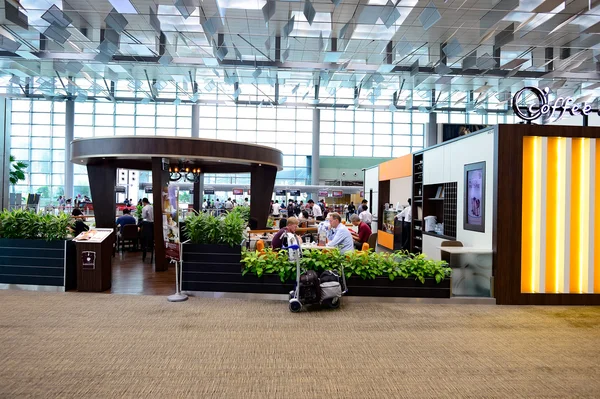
406, 214
246, 202
341, 237
365, 215
147, 211
204, 204
228, 205
316, 210
276, 208
406, 217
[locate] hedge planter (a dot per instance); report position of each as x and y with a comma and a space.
38, 263
208, 267
411, 288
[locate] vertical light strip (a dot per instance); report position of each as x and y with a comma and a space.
591, 217
541, 284
530, 218
597, 225
579, 249
555, 218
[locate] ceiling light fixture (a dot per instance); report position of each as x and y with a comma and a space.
190, 174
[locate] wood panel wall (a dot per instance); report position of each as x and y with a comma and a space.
507, 235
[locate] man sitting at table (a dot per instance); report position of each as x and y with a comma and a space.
341, 237
279, 239
125, 219
364, 232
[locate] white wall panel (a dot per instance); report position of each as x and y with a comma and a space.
431, 245
400, 190
372, 183
446, 164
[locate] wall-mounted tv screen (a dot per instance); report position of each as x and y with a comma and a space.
294, 193
475, 197
238, 191
337, 194
210, 191
323, 193
279, 192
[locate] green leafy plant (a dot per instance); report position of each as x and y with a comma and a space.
22, 224
203, 228
366, 265
243, 212
138, 211
232, 229
17, 170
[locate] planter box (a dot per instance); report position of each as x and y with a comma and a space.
218, 268
406, 288
38, 262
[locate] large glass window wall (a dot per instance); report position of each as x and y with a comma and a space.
38, 134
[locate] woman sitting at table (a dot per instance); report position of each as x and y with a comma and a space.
279, 239
303, 219
80, 225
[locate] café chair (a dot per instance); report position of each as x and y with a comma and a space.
260, 246
129, 235
372, 241
147, 238
450, 243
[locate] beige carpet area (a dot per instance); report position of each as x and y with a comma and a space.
78, 345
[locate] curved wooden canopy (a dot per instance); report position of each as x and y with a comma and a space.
212, 156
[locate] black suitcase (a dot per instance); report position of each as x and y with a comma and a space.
310, 289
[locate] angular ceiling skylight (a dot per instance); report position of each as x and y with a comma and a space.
321, 24
242, 4
171, 20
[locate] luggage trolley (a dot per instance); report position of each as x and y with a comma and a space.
311, 289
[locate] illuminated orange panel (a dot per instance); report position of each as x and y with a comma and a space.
396, 168
597, 225
579, 249
530, 227
555, 221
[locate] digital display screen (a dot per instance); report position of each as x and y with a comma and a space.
238, 191
338, 194
474, 199
209, 191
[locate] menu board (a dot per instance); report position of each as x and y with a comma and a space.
95, 235
170, 200
238, 191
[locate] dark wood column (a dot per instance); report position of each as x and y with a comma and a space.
197, 197
262, 182
103, 179
159, 179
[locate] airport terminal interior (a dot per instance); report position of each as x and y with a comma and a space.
309, 198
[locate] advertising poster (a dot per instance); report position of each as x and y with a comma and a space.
474, 199
170, 199
323, 193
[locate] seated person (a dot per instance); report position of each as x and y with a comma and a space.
125, 219
342, 239
364, 232
303, 219
279, 239
80, 225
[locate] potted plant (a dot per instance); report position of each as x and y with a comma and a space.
399, 274
212, 250
35, 249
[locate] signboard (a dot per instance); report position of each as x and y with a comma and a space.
542, 107
88, 260
295, 193
362, 194
170, 202
148, 190
279, 192
209, 192
323, 193
248, 191
238, 191
337, 194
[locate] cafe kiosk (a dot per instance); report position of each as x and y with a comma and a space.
94, 260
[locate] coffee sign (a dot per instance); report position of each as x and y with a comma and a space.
543, 107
